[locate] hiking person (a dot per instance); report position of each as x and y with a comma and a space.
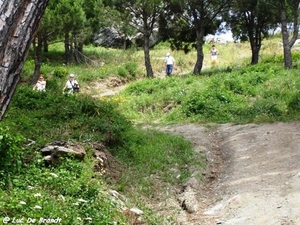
169, 62
71, 85
40, 84
214, 54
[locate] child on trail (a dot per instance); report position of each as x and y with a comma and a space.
214, 54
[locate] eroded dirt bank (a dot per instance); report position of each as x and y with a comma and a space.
254, 172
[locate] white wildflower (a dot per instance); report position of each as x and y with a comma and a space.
37, 207
54, 175
37, 195
89, 218
62, 197
81, 200
78, 218
22, 203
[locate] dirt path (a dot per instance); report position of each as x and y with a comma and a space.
255, 173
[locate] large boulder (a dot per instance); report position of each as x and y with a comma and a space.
109, 37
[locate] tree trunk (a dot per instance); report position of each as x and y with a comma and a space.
285, 39
147, 55
255, 43
37, 46
19, 21
288, 44
200, 55
199, 43
45, 44
68, 52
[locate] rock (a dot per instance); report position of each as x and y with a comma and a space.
110, 37
137, 211
189, 200
58, 149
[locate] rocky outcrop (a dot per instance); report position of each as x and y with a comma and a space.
110, 37
53, 151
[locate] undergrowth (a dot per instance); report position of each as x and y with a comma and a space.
259, 93
70, 191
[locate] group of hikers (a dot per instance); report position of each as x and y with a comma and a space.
170, 61
71, 86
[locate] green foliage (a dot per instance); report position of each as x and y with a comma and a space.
60, 72
152, 152
122, 72
131, 67
11, 154
52, 116
264, 92
66, 191
212, 105
70, 187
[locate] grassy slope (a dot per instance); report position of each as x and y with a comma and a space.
259, 93
229, 91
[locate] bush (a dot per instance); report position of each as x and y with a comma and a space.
122, 72
131, 67
11, 154
60, 72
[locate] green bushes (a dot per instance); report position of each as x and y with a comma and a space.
53, 115
67, 192
60, 72
11, 151
128, 69
70, 190
264, 92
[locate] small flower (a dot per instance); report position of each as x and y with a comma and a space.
78, 218
37, 195
54, 175
81, 200
89, 218
37, 207
62, 197
22, 203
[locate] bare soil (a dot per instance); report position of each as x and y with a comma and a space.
253, 174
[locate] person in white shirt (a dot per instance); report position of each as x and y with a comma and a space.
169, 62
214, 54
71, 85
40, 84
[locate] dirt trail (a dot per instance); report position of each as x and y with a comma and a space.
255, 171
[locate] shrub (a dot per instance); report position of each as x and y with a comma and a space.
11, 154
122, 72
60, 72
131, 67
